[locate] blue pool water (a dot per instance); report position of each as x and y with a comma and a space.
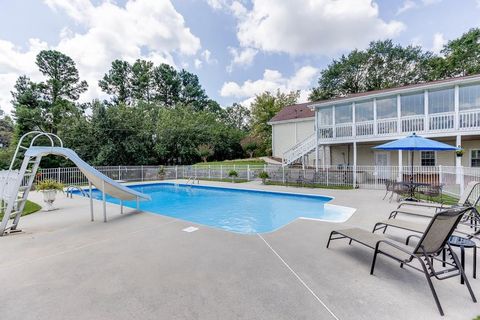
242, 211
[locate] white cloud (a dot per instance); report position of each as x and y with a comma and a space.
197, 63
406, 5
438, 42
146, 29
312, 26
430, 2
272, 81
241, 57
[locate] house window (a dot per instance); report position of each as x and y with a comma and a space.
469, 97
413, 104
325, 116
387, 108
343, 113
364, 111
475, 158
441, 101
428, 158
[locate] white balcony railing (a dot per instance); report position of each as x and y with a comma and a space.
469, 120
387, 126
441, 121
413, 123
365, 128
344, 130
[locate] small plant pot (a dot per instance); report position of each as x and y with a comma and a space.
49, 197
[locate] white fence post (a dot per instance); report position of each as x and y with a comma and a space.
142, 173
283, 174
221, 172
119, 173
58, 174
176, 172
462, 179
440, 175
248, 172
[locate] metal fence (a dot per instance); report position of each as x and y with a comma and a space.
453, 179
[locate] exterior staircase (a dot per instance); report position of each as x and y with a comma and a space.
299, 150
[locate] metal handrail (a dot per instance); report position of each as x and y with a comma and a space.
70, 189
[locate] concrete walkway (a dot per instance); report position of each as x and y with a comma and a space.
143, 266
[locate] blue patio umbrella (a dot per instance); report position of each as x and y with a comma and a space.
416, 143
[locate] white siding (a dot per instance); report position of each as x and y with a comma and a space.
286, 135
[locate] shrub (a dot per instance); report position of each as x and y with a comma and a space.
49, 184
264, 176
233, 174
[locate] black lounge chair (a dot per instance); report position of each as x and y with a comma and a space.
431, 244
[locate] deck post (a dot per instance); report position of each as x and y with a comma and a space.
91, 200
458, 164
400, 166
315, 127
104, 198
354, 164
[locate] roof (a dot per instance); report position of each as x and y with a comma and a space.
411, 87
294, 111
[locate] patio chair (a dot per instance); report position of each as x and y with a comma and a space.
400, 189
463, 201
466, 228
433, 191
388, 187
427, 209
430, 245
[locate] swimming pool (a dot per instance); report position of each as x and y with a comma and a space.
235, 210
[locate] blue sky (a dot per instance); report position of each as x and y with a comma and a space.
238, 48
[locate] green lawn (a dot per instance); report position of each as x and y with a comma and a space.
307, 185
242, 162
445, 199
30, 207
224, 180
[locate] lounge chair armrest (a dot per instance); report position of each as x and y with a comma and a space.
377, 247
407, 241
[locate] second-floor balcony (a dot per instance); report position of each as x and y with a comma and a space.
431, 123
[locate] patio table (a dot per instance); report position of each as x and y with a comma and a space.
412, 187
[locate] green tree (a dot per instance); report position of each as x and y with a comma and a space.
264, 107
461, 56
142, 80
63, 80
191, 92
204, 151
249, 145
238, 117
382, 65
117, 82
166, 85
28, 106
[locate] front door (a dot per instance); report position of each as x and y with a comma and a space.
382, 165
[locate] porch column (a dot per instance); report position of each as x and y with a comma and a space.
400, 166
354, 164
458, 166
315, 127
324, 157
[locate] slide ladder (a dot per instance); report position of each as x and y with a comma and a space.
16, 184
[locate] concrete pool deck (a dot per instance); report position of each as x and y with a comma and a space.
143, 266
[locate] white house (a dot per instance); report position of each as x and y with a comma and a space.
348, 127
